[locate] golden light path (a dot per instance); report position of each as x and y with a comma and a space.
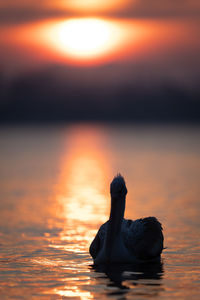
84, 174
82, 190
83, 194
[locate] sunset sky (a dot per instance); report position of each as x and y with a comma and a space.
74, 59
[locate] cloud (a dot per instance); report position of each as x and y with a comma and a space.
156, 8
18, 11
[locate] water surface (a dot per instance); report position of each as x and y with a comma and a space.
54, 194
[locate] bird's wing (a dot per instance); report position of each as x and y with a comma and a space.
98, 241
143, 237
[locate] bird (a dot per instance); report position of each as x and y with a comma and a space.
126, 241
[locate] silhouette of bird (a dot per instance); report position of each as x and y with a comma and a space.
126, 241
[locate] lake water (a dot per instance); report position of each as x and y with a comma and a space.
54, 194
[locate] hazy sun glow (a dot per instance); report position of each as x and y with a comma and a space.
89, 41
84, 37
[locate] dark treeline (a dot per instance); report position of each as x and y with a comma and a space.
44, 96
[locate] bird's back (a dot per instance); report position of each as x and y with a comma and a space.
143, 237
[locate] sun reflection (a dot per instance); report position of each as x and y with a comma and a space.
83, 191
84, 175
74, 292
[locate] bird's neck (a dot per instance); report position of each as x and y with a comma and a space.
117, 213
114, 224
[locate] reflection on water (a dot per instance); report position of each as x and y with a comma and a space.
82, 191
124, 277
54, 192
84, 171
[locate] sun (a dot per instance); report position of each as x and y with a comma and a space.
82, 40
85, 37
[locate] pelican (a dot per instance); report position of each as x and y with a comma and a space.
126, 241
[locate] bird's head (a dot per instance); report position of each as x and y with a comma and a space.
118, 187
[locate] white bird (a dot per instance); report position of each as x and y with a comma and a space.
126, 241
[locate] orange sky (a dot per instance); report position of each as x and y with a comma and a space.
56, 41
132, 29
163, 38
126, 7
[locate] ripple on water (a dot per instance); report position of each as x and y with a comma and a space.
48, 174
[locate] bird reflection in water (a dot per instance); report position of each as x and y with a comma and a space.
123, 277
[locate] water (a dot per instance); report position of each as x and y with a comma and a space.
54, 194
